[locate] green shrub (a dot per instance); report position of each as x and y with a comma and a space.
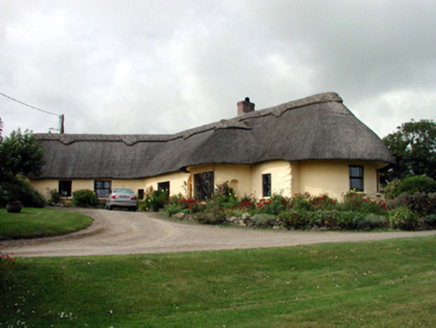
142, 206
352, 201
294, 219
323, 202
420, 203
414, 184
55, 197
430, 221
173, 208
209, 218
301, 202
423, 203
272, 206
357, 202
327, 219
225, 196
391, 189
370, 221
19, 189
348, 220
403, 218
402, 199
85, 198
247, 204
191, 206
264, 220
157, 200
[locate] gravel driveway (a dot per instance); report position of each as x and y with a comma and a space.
118, 232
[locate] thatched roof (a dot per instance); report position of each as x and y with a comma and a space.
314, 128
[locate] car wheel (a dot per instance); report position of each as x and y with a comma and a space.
109, 208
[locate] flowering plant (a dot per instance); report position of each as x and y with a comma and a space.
6, 265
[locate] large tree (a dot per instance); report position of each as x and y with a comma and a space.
20, 154
413, 146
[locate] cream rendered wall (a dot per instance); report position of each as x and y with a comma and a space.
178, 182
238, 176
45, 186
280, 178
295, 178
314, 177
332, 178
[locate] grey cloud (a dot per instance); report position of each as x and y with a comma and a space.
165, 66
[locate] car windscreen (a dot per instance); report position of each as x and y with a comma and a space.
123, 191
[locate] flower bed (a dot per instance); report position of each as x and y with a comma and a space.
302, 211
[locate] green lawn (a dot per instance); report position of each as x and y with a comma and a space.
40, 222
375, 284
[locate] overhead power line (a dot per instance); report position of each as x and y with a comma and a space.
22, 103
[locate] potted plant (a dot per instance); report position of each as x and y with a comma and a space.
14, 206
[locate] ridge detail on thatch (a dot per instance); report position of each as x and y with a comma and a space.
278, 110
234, 123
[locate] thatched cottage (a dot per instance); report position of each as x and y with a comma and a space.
313, 145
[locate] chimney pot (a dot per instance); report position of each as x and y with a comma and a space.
245, 106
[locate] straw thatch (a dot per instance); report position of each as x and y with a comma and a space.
314, 128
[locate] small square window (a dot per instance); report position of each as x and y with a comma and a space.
266, 185
65, 188
356, 178
164, 186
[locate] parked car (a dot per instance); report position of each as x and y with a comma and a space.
122, 197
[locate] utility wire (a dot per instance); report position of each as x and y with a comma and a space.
44, 111
72, 126
41, 110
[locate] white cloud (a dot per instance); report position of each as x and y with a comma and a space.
165, 66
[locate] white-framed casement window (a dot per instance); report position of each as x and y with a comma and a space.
102, 188
356, 177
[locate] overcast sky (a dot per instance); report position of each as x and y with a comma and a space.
159, 67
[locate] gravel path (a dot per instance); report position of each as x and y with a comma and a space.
118, 232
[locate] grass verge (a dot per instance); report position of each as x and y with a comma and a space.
40, 222
385, 283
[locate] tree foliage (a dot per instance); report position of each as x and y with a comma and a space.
20, 154
413, 146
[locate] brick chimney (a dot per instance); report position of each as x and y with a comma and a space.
245, 106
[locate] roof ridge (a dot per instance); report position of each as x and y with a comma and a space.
278, 110
235, 122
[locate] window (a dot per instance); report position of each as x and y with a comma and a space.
164, 186
65, 188
356, 178
266, 185
203, 185
102, 188
140, 194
